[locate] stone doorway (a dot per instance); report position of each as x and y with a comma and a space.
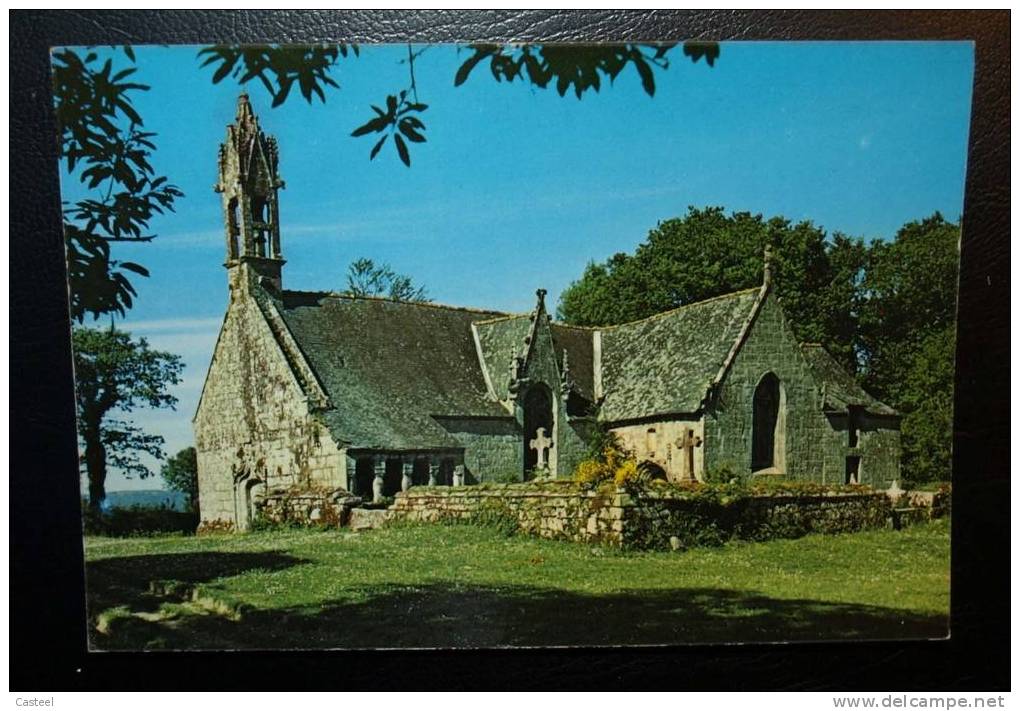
538, 414
244, 509
768, 429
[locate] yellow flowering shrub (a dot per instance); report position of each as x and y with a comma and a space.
613, 465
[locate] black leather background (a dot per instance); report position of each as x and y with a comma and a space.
47, 640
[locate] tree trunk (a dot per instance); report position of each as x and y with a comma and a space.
95, 467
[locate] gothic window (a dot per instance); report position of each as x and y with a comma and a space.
538, 415
768, 430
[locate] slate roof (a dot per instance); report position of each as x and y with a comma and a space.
579, 346
388, 366
500, 341
665, 363
839, 388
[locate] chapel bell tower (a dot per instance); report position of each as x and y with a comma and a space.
248, 183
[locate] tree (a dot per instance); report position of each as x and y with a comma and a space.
364, 278
886, 311
180, 472
101, 138
907, 333
116, 374
707, 253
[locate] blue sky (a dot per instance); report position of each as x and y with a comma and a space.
518, 188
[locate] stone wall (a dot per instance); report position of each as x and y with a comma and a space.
328, 508
815, 446
549, 509
656, 442
493, 449
685, 521
254, 430
562, 510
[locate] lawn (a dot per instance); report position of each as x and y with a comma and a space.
462, 586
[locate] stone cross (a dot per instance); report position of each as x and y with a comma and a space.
687, 442
541, 444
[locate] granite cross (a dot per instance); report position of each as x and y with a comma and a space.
687, 442
541, 445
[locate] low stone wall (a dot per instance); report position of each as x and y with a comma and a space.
652, 520
548, 509
328, 508
686, 521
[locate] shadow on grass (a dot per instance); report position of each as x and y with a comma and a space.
125, 580
454, 615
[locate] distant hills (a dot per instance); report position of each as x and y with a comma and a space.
147, 498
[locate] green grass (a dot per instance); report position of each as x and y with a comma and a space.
453, 586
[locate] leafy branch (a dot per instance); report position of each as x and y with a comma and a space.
580, 67
279, 67
401, 119
101, 138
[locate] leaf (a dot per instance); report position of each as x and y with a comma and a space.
377, 147
647, 78
412, 135
467, 66
402, 149
129, 52
696, 50
373, 126
136, 268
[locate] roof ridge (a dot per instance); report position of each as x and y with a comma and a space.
426, 304
681, 308
504, 317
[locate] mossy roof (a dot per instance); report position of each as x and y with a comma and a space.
577, 343
839, 387
388, 367
392, 368
500, 341
665, 363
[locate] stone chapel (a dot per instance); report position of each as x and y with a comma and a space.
332, 392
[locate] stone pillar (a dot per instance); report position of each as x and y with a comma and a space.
433, 471
458, 475
380, 477
352, 475
407, 471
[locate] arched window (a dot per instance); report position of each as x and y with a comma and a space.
538, 415
768, 429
